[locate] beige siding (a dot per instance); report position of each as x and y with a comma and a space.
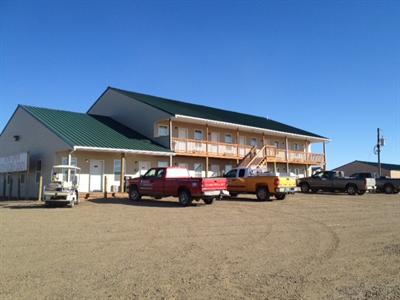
38, 141
131, 113
395, 174
356, 167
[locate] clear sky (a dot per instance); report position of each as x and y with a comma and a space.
330, 67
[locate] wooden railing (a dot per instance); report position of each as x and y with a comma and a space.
246, 153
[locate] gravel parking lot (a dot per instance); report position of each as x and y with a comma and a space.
305, 247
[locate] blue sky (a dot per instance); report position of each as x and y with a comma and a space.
330, 67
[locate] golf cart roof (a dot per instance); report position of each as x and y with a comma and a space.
66, 167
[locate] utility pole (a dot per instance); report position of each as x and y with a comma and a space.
378, 150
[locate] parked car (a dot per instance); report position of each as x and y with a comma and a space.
383, 184
176, 182
263, 185
332, 181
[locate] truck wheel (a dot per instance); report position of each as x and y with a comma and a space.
351, 189
134, 194
388, 189
262, 194
185, 198
305, 188
208, 200
280, 196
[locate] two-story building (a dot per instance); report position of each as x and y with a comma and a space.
126, 133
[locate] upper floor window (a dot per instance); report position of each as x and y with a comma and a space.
228, 138
198, 134
253, 142
163, 130
296, 147
276, 143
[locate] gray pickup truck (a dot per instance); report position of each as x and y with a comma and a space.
332, 181
383, 184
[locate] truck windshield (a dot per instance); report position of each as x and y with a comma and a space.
231, 174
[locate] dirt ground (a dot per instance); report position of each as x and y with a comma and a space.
305, 247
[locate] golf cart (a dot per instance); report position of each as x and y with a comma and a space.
63, 187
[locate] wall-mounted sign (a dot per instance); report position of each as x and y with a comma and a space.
14, 163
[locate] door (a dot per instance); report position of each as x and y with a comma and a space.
182, 144
144, 166
213, 147
215, 170
96, 176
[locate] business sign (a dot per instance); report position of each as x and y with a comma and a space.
14, 163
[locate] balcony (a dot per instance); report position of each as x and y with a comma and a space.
189, 147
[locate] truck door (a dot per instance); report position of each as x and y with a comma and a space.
159, 182
147, 182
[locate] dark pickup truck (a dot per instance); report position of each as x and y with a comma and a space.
331, 181
176, 182
383, 184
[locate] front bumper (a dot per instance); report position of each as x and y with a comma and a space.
287, 190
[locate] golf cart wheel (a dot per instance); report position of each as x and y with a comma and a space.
263, 194
351, 189
134, 194
280, 196
185, 199
208, 200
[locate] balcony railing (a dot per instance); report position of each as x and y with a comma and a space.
237, 151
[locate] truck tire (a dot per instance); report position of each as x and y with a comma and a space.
351, 189
280, 196
388, 189
304, 187
185, 199
208, 200
263, 194
134, 194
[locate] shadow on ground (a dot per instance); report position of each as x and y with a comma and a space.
143, 202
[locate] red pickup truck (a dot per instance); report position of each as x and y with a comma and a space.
176, 182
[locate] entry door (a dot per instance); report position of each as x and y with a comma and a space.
96, 175
182, 134
213, 147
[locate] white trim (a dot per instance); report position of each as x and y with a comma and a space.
119, 150
228, 124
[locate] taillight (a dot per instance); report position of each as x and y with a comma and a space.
276, 181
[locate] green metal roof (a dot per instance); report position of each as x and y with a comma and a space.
84, 130
175, 107
392, 167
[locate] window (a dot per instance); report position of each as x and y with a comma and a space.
183, 165
198, 169
151, 173
242, 172
163, 130
162, 164
228, 138
276, 143
296, 147
198, 134
231, 174
228, 168
74, 161
117, 169
253, 142
160, 173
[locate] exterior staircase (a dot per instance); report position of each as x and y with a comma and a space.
255, 158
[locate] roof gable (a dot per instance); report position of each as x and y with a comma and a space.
84, 130
175, 107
